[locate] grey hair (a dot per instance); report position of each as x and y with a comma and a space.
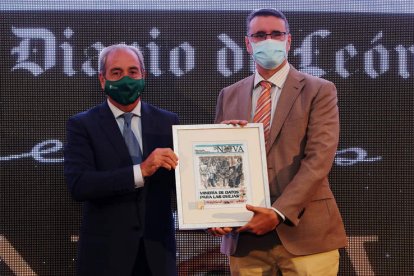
266, 12
103, 55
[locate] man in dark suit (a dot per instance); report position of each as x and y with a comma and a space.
127, 226
302, 231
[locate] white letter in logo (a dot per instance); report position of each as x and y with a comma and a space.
308, 50
23, 50
230, 51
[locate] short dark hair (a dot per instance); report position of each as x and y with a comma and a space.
266, 12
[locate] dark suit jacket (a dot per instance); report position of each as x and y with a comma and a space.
98, 172
303, 141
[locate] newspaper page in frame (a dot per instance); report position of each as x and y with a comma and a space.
221, 169
221, 173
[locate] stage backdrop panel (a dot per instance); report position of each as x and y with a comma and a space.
49, 61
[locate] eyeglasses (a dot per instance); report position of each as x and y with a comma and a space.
260, 36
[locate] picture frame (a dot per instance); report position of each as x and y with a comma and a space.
221, 168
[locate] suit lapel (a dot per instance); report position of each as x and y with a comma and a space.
111, 130
146, 128
291, 90
244, 101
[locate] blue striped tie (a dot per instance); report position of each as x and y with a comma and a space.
130, 139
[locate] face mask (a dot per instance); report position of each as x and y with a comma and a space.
124, 91
269, 53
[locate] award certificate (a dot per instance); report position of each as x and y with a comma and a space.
221, 169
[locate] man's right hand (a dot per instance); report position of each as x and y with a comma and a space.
219, 231
159, 158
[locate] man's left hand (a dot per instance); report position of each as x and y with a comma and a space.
263, 221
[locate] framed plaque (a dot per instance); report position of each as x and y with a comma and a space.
221, 168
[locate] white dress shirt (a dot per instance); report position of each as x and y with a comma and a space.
137, 130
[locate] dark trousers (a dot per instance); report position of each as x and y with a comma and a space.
141, 267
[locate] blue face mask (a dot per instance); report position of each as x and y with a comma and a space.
269, 53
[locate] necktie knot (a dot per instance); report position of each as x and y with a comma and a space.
128, 118
265, 84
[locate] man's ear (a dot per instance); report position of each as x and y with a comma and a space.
288, 43
248, 45
102, 80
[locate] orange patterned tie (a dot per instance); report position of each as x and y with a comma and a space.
263, 109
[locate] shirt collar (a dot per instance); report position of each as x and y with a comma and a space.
277, 79
117, 112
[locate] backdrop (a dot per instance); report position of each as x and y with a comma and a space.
49, 52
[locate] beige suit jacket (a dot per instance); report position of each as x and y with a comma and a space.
303, 141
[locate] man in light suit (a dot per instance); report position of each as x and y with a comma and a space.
302, 231
127, 226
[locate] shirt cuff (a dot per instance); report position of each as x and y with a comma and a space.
279, 213
138, 179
